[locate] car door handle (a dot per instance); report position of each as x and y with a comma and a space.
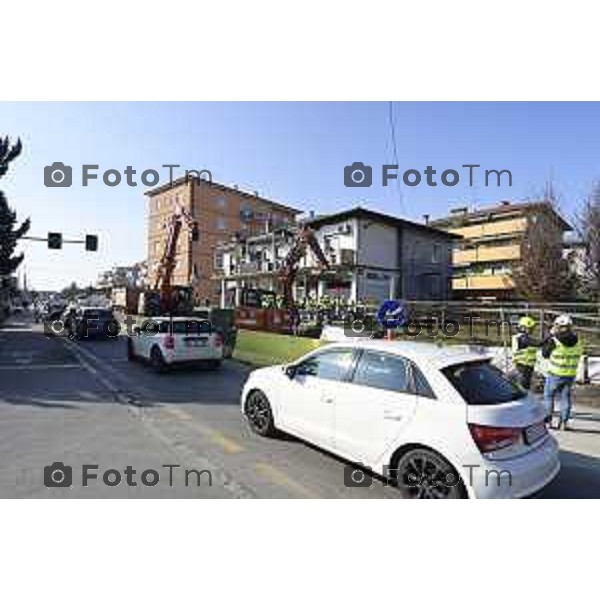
327, 399
392, 416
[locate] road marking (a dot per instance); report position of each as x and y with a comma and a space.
80, 356
238, 489
215, 436
279, 478
29, 367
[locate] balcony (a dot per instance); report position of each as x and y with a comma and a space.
487, 254
481, 230
483, 282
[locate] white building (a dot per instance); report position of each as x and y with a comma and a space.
373, 256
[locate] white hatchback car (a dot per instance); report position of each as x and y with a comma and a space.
437, 422
165, 341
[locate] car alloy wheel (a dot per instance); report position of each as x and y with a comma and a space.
259, 414
424, 474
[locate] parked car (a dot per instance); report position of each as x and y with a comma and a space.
90, 321
165, 342
436, 422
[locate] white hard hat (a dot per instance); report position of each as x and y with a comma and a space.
563, 321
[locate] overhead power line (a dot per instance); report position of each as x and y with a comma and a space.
392, 125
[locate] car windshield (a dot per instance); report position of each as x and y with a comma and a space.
482, 383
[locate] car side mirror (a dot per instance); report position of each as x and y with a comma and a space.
290, 371
137, 330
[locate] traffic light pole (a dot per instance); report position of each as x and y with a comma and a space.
54, 240
45, 239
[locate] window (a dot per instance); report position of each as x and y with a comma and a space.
382, 371
221, 224
482, 383
187, 327
435, 256
422, 388
331, 364
221, 202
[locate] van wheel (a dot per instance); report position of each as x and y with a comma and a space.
157, 362
259, 414
423, 473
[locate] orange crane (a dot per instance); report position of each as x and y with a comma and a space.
305, 239
165, 298
252, 312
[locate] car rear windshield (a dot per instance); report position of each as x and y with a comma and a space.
482, 383
97, 314
191, 327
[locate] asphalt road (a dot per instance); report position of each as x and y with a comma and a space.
82, 403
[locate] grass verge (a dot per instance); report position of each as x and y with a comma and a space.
262, 348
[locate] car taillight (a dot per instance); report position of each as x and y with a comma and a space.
218, 340
494, 438
169, 342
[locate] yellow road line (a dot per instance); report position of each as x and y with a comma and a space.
215, 436
279, 478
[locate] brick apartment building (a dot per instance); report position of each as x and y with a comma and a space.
221, 212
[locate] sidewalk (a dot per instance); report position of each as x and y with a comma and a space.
588, 395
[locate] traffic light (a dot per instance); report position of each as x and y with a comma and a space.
91, 243
55, 241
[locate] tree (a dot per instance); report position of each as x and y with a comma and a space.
9, 232
588, 228
543, 274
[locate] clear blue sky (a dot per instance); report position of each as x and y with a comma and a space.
290, 152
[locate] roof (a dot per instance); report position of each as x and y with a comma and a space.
420, 352
500, 209
183, 180
359, 212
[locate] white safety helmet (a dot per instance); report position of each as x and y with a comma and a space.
563, 321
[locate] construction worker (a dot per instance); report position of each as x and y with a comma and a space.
524, 350
563, 350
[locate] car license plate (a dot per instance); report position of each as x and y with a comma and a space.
196, 343
535, 432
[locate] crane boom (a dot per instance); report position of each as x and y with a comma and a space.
164, 297
305, 239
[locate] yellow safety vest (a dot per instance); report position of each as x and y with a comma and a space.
564, 360
523, 356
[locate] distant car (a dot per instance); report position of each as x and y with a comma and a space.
437, 422
90, 321
165, 342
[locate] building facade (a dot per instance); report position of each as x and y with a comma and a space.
133, 276
372, 257
220, 212
490, 248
